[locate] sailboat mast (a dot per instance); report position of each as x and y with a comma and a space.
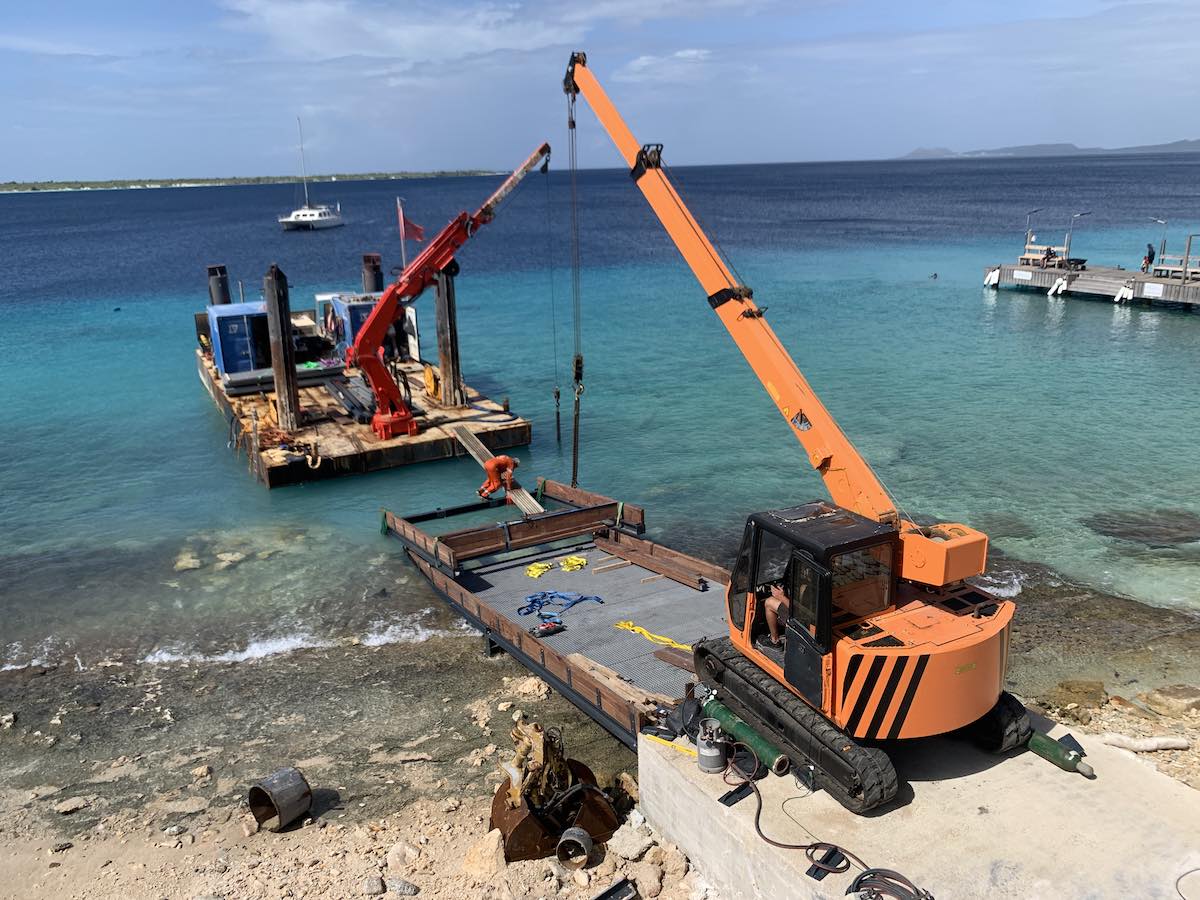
303, 166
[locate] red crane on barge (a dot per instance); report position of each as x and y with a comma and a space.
393, 414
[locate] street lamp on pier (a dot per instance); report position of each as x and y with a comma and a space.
1070, 232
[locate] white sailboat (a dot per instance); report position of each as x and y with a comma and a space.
310, 217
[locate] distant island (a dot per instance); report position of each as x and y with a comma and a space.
146, 183
1192, 146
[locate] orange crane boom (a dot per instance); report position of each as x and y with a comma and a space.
935, 555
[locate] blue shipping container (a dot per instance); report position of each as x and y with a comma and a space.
240, 337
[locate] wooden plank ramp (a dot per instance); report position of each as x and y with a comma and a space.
521, 498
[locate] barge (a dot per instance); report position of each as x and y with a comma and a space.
332, 403
611, 658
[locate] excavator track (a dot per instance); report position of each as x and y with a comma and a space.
860, 778
1005, 727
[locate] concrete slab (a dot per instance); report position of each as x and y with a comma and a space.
967, 825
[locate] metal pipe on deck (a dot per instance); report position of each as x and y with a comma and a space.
218, 286
372, 273
283, 353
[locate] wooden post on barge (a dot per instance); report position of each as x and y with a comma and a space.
283, 354
372, 273
447, 338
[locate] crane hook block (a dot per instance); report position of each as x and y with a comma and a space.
649, 157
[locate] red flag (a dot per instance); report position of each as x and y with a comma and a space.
408, 229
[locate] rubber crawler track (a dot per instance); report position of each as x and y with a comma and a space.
1004, 727
860, 778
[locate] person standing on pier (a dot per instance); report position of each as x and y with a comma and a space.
499, 471
1148, 259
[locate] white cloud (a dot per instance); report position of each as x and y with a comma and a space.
690, 64
42, 47
329, 29
638, 11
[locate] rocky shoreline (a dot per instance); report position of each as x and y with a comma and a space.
128, 779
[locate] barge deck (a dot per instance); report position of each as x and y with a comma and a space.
332, 443
609, 671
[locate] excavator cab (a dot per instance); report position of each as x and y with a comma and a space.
833, 565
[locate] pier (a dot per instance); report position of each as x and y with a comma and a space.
1099, 282
1170, 280
969, 825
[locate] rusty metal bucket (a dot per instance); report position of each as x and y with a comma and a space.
535, 835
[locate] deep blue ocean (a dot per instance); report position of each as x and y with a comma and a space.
1024, 416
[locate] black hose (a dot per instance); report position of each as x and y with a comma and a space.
877, 884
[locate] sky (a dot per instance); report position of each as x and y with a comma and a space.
167, 88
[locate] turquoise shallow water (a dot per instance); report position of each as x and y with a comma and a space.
1021, 415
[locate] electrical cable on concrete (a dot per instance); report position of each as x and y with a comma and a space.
1179, 880
872, 884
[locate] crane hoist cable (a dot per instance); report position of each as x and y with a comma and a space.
553, 313
576, 288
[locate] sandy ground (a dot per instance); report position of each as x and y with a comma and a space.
129, 780
143, 750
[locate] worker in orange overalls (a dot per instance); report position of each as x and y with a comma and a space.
499, 474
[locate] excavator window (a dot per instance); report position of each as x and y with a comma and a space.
774, 554
803, 588
862, 580
739, 582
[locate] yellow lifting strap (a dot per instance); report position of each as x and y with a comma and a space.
572, 563
652, 638
538, 569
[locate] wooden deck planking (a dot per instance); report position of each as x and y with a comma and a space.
344, 446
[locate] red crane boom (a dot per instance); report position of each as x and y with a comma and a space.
393, 416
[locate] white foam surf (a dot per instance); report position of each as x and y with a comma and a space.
411, 630
257, 649
1006, 583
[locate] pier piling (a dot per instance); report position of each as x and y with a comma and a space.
447, 338
218, 285
283, 354
372, 273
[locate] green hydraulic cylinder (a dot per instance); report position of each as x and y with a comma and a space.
768, 754
1065, 758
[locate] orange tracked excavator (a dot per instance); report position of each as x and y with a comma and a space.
881, 637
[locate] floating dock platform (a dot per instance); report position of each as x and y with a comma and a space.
1098, 282
611, 673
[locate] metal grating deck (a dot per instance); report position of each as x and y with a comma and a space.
661, 607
